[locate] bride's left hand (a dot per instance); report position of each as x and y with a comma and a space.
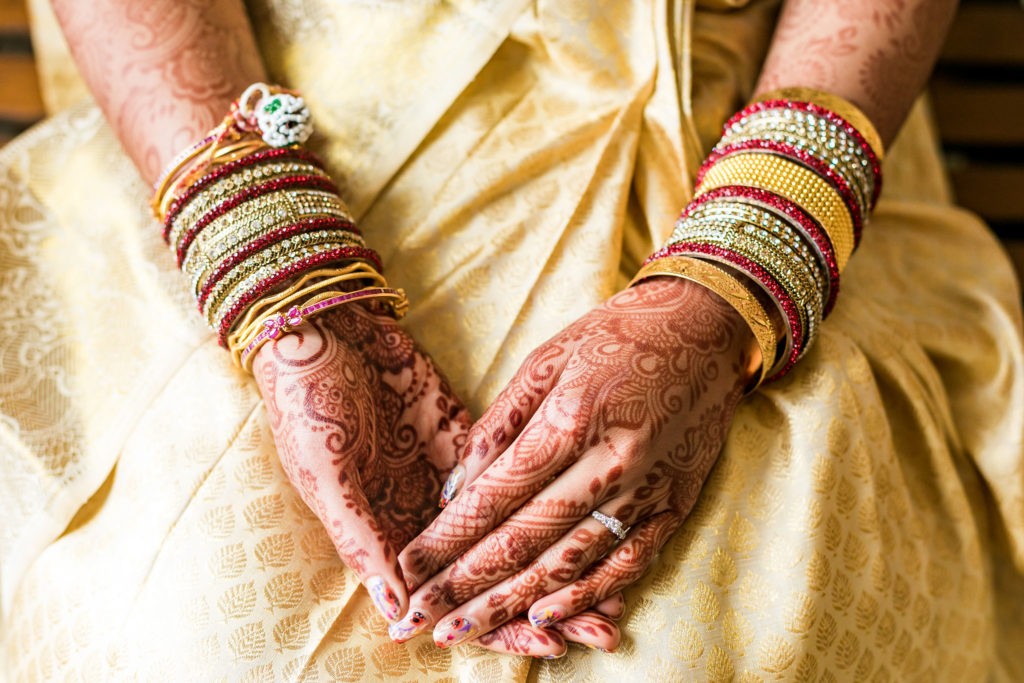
623, 412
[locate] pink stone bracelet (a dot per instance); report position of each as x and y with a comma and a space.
344, 255
277, 323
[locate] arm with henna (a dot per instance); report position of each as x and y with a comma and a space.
626, 410
365, 425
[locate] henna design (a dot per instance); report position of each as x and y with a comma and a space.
163, 71
876, 53
646, 388
365, 426
517, 638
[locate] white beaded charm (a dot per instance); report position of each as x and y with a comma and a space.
282, 119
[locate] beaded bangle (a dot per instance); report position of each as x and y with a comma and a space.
269, 259
254, 220
837, 107
762, 278
838, 182
208, 200
794, 182
750, 219
732, 291
261, 158
285, 239
787, 211
796, 281
783, 131
833, 127
283, 322
303, 182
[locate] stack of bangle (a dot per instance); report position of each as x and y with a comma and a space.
778, 208
247, 209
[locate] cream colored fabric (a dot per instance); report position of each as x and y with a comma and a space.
512, 162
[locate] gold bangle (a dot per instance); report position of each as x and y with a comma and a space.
732, 291
796, 183
324, 277
835, 104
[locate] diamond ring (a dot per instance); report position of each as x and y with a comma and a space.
612, 524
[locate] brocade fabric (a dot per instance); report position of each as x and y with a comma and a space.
513, 162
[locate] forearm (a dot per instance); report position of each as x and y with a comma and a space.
163, 71
875, 53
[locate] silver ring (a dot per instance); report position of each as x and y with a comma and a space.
611, 524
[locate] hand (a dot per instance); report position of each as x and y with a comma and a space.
623, 412
366, 429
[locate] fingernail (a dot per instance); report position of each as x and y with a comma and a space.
384, 598
414, 624
454, 632
547, 616
452, 485
558, 656
600, 649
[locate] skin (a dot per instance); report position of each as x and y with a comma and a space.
356, 419
578, 429
557, 443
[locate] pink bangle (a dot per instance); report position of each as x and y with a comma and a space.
283, 322
346, 254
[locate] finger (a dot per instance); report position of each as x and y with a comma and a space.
506, 417
363, 546
540, 452
620, 568
557, 566
519, 637
613, 607
589, 628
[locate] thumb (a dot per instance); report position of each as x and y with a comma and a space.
363, 546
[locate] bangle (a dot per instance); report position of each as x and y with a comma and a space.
839, 107
787, 211
249, 324
277, 323
732, 291
794, 182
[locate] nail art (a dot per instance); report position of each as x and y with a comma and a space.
547, 616
454, 632
385, 598
558, 656
452, 485
414, 624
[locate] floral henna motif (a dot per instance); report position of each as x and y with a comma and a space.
365, 426
644, 389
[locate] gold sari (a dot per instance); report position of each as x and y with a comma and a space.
513, 162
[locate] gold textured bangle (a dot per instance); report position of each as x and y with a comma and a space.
264, 264
837, 105
796, 183
322, 277
732, 291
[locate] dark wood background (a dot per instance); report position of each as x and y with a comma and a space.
977, 91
